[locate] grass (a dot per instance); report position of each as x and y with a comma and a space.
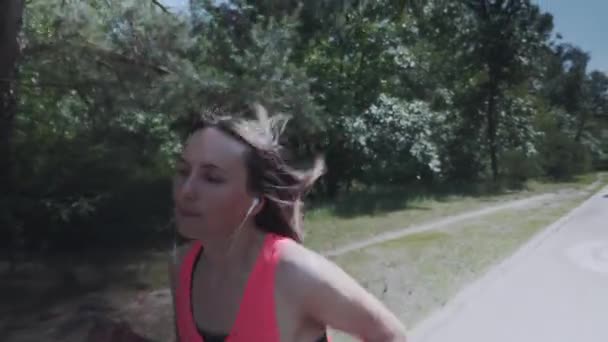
332, 225
417, 274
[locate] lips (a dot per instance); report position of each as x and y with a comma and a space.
187, 212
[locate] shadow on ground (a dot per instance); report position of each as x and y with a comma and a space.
84, 299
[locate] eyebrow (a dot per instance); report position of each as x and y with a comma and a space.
211, 166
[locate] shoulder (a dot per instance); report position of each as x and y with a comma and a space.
320, 290
297, 262
302, 272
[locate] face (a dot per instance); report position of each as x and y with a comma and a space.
210, 186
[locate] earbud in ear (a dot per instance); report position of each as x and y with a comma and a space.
254, 203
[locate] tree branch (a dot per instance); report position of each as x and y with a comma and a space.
161, 6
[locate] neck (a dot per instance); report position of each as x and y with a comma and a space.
234, 249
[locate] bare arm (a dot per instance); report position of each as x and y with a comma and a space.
331, 297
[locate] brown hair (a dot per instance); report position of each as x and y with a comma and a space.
269, 175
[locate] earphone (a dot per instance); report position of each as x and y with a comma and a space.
254, 203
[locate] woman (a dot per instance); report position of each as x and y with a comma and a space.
244, 276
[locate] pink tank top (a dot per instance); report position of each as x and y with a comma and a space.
256, 319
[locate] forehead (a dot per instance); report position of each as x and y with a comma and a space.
210, 145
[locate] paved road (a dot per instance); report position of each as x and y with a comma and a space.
554, 289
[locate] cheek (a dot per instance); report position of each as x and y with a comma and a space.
215, 196
224, 201
225, 205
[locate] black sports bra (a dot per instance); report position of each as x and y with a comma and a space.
213, 337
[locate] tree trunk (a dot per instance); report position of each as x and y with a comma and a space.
11, 12
492, 124
581, 126
10, 24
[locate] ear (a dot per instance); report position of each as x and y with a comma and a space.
257, 205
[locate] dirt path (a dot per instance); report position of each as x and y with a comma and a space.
451, 220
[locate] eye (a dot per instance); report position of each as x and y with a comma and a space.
215, 179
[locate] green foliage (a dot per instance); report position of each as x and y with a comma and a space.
563, 157
395, 139
517, 167
560, 155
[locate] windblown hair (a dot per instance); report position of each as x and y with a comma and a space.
269, 175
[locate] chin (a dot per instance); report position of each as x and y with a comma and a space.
188, 234
189, 230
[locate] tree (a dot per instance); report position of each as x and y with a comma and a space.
353, 63
509, 33
573, 93
598, 93
108, 85
397, 140
10, 27
580, 95
11, 12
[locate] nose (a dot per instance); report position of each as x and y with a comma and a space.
187, 189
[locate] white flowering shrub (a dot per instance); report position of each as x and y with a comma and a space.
395, 138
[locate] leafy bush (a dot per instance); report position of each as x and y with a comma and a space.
562, 157
517, 167
395, 139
